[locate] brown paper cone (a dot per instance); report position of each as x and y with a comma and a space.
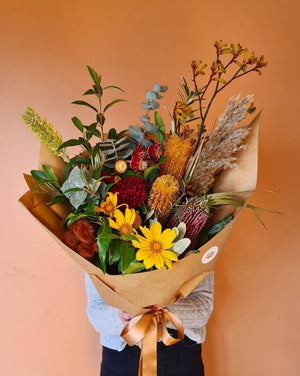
137, 293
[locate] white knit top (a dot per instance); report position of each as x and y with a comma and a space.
193, 311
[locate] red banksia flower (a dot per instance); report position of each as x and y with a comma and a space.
131, 191
194, 214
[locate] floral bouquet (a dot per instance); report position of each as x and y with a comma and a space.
146, 211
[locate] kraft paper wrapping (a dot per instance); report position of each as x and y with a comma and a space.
138, 293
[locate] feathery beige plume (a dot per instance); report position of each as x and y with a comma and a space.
218, 151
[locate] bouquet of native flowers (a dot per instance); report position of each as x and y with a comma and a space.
146, 211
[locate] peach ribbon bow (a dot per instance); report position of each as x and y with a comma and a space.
150, 327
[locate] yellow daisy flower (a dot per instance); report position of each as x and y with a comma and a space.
123, 223
154, 246
109, 205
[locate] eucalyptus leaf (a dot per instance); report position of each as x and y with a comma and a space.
150, 128
153, 105
135, 132
150, 96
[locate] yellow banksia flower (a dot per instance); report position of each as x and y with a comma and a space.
109, 205
178, 151
123, 222
155, 246
163, 195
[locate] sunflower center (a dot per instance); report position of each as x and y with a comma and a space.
156, 246
125, 229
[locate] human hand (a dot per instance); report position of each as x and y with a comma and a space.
125, 317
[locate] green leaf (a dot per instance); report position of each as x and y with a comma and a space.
114, 254
112, 133
72, 162
89, 92
39, 176
72, 217
83, 103
113, 87
161, 136
56, 200
135, 267
72, 142
95, 76
112, 103
50, 173
103, 247
127, 255
150, 172
128, 237
78, 124
158, 119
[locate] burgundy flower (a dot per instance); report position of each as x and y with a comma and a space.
131, 191
155, 151
194, 214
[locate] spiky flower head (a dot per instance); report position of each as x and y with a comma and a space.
162, 195
81, 237
178, 151
194, 213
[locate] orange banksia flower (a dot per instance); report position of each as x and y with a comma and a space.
163, 195
178, 151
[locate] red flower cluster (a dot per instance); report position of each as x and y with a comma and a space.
131, 191
81, 237
143, 157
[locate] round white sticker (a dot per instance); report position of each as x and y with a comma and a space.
210, 254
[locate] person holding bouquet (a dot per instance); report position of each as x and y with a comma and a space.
182, 359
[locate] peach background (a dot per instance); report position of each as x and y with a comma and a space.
45, 46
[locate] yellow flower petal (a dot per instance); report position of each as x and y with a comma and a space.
169, 255
167, 238
119, 217
113, 224
149, 262
146, 232
155, 230
129, 216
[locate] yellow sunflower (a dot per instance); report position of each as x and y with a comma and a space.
123, 222
109, 205
154, 246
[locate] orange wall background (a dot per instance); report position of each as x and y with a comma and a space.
45, 46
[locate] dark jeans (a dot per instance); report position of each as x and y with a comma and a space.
182, 359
